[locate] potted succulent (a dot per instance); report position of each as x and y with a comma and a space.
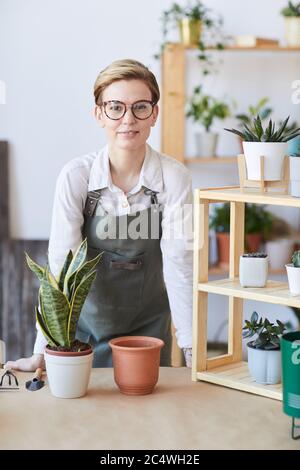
264, 357
291, 15
136, 362
258, 225
205, 109
268, 142
68, 360
253, 269
293, 273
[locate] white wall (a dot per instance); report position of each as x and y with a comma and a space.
50, 54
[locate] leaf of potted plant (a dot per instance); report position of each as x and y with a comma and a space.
205, 109
68, 361
270, 143
291, 15
253, 269
264, 357
293, 273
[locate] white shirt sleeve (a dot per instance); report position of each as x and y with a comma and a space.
67, 221
177, 252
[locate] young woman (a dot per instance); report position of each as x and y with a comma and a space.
128, 200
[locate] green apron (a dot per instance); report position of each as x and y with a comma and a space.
128, 296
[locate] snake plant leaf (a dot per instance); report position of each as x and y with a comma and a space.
50, 278
56, 310
42, 311
44, 329
64, 270
38, 270
77, 277
78, 300
78, 259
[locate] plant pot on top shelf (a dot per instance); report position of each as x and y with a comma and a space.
270, 143
190, 31
253, 269
264, 356
293, 273
204, 110
68, 360
136, 362
291, 15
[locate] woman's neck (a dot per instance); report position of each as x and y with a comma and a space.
125, 167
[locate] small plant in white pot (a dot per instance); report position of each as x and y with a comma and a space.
253, 269
68, 360
264, 357
205, 109
291, 15
269, 142
293, 273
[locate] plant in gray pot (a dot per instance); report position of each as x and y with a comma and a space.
253, 269
264, 358
293, 273
68, 360
270, 143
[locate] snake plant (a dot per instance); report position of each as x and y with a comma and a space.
256, 132
61, 299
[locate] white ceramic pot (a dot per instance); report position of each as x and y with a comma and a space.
292, 31
293, 278
264, 365
295, 176
273, 152
206, 144
253, 271
279, 252
68, 376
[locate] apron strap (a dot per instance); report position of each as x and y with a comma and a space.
91, 202
152, 194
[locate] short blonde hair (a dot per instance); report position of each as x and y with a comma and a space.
125, 69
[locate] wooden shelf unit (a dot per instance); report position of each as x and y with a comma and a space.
174, 97
229, 370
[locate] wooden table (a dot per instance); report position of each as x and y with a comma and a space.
180, 414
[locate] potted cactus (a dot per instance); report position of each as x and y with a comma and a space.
293, 273
269, 142
253, 269
291, 15
264, 357
68, 360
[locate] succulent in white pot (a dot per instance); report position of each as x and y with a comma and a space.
291, 15
68, 360
264, 357
269, 142
205, 109
293, 273
253, 269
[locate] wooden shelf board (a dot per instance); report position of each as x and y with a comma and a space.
234, 48
221, 271
234, 193
275, 292
237, 376
217, 160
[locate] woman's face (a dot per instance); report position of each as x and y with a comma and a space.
128, 132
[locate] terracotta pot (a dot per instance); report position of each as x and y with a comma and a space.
136, 363
253, 242
223, 242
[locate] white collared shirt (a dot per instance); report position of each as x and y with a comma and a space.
160, 173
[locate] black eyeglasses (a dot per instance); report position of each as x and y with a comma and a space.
116, 109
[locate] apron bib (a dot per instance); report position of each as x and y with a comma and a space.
128, 296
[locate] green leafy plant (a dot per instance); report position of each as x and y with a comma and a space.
61, 300
257, 133
205, 109
268, 334
291, 10
296, 259
257, 219
260, 110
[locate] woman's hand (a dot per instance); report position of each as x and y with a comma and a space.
188, 356
27, 364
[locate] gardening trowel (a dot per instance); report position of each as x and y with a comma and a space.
36, 383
